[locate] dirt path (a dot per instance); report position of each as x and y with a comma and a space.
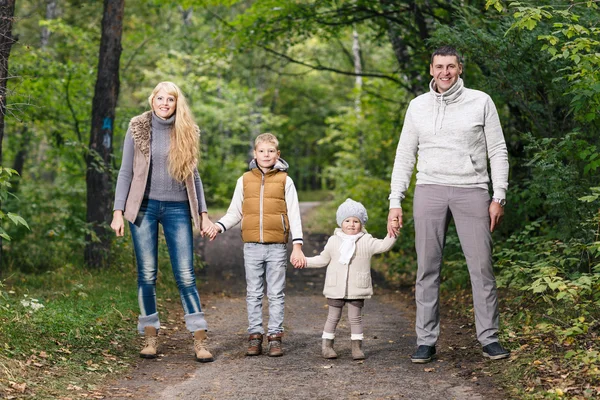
387, 373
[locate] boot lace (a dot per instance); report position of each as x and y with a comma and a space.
151, 341
275, 344
200, 344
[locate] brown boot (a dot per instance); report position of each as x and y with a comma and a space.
275, 349
254, 344
327, 349
150, 349
200, 342
357, 353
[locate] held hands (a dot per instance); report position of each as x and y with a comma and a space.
117, 224
394, 222
208, 228
297, 258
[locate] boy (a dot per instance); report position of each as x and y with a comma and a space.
266, 202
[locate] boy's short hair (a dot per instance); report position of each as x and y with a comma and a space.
266, 138
447, 51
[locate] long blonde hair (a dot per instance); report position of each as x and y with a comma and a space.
185, 136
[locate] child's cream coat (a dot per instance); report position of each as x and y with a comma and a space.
352, 281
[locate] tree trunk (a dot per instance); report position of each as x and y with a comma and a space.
401, 47
99, 177
51, 12
7, 12
357, 71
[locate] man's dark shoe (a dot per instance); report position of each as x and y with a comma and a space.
424, 354
495, 351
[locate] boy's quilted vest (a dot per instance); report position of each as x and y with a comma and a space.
264, 209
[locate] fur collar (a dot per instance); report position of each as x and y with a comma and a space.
140, 128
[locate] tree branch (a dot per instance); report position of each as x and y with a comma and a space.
319, 67
77, 130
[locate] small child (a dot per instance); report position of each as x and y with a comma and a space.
265, 201
347, 256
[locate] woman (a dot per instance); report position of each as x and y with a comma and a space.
159, 183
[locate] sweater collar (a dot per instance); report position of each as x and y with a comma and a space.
449, 96
163, 123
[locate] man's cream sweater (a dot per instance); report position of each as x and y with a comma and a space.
452, 135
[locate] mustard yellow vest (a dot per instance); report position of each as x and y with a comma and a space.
264, 210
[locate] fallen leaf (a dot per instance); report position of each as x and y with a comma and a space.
429, 369
19, 387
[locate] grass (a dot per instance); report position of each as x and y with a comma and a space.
64, 331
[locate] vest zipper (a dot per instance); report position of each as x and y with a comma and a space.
261, 199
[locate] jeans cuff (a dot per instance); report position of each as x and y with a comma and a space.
194, 322
148, 320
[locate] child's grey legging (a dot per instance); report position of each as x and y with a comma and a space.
354, 315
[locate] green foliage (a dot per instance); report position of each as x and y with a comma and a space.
575, 39
56, 213
564, 276
72, 324
6, 175
561, 171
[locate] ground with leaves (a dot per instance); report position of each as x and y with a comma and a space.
459, 373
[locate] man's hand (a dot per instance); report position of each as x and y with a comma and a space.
496, 215
394, 222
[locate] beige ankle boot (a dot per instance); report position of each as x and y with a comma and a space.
357, 353
150, 349
200, 343
327, 349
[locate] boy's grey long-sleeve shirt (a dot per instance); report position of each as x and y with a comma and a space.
451, 135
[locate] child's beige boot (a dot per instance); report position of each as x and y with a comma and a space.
357, 353
200, 343
327, 349
150, 349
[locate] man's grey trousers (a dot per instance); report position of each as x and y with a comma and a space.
433, 207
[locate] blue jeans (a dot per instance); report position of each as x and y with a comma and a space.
260, 261
175, 218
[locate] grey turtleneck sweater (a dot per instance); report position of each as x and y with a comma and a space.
160, 185
452, 135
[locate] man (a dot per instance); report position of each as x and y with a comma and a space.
452, 131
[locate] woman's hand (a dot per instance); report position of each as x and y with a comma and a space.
208, 228
117, 224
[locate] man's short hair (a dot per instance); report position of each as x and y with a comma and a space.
268, 138
447, 51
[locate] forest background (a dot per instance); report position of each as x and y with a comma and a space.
332, 79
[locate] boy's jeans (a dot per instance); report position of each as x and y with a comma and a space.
177, 227
270, 261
